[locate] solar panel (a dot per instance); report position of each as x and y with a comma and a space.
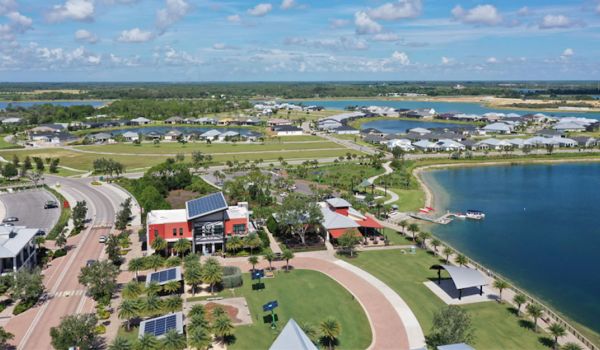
205, 205
160, 326
154, 277
171, 274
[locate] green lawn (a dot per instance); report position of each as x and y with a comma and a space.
7, 145
409, 200
305, 296
496, 327
355, 138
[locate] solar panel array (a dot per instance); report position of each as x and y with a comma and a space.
206, 204
163, 276
160, 326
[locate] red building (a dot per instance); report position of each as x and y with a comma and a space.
207, 222
339, 217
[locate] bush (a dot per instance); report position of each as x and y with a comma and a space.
103, 314
58, 253
232, 277
100, 329
23, 306
264, 238
4, 303
272, 225
6, 282
65, 214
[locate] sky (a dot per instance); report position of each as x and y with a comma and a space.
298, 40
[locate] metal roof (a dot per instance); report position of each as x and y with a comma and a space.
464, 277
209, 204
338, 202
292, 337
159, 326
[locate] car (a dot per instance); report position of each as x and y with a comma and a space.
103, 239
10, 219
40, 233
90, 262
50, 205
7, 224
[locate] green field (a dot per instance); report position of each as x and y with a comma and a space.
496, 327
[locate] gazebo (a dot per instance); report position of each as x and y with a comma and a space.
462, 277
292, 337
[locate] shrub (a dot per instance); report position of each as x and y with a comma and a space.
23, 306
103, 314
264, 238
232, 277
100, 329
58, 253
272, 225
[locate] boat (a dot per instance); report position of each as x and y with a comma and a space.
475, 214
460, 216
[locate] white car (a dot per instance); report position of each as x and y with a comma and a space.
102, 239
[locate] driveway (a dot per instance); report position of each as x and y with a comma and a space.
28, 206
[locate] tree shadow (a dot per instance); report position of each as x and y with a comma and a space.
527, 324
546, 342
326, 342
229, 339
513, 311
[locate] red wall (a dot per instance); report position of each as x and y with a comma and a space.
166, 231
229, 224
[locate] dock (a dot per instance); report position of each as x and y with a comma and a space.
442, 220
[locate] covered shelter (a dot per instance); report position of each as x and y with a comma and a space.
462, 277
457, 346
292, 337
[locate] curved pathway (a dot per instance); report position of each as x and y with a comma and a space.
388, 170
393, 325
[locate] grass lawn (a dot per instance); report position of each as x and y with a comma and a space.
306, 296
409, 200
7, 145
355, 138
496, 327
342, 175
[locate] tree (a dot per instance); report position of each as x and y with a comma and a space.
253, 260
413, 228
330, 331
154, 261
9, 170
269, 256
234, 244
78, 214
28, 285
193, 275
53, 168
519, 299
61, 240
147, 342
39, 164
5, 336
557, 331
173, 303
222, 327
153, 288
136, 265
77, 330
212, 273
435, 243
35, 177
450, 325
129, 308
39, 241
310, 331
287, 255
447, 252
571, 346
424, 236
535, 311
182, 246
101, 280
152, 305
299, 214
112, 249
199, 338
132, 290
159, 244
173, 341
500, 285
461, 259
348, 241
120, 343
171, 287
124, 215
252, 241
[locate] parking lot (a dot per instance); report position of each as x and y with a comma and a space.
28, 206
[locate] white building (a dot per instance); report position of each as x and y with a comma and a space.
210, 135
346, 130
17, 248
228, 135
403, 144
287, 130
498, 128
131, 136
140, 121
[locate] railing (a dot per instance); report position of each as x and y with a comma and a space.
209, 239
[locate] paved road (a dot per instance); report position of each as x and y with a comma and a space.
66, 295
28, 206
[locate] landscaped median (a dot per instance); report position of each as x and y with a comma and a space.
65, 214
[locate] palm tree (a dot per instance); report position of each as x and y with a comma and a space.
235, 243
120, 343
253, 260
252, 241
269, 256
136, 265
39, 241
571, 346
500, 285
129, 309
191, 259
153, 288
287, 255
155, 261
197, 310
424, 236
218, 312
173, 261
557, 331
182, 246
535, 311
173, 341
310, 331
132, 290
171, 287
222, 327
413, 228
435, 243
61, 240
153, 305
193, 276
146, 342
461, 259
212, 274
159, 244
519, 299
403, 224
172, 304
330, 330
447, 252
199, 338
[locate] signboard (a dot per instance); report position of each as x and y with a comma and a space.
270, 306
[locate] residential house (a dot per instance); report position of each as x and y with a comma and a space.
101, 137
495, 144
419, 131
174, 120
449, 145
278, 122
374, 138
586, 142
140, 121
173, 135
47, 128
569, 126
210, 135
421, 113
346, 130
11, 121
131, 136
51, 138
286, 130
403, 144
227, 135
498, 128
425, 146
339, 217
328, 124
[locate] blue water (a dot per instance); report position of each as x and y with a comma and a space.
401, 126
542, 229
28, 104
440, 107
184, 129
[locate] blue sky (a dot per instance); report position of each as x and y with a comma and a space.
198, 40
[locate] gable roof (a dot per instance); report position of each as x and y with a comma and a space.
292, 337
206, 205
338, 202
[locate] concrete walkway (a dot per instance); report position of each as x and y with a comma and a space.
388, 170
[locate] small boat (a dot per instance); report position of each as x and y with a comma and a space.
475, 214
430, 208
460, 216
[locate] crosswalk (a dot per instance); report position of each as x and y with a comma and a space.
68, 293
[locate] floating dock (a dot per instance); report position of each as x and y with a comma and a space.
442, 220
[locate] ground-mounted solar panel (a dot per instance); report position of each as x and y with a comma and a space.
149, 327
171, 274
159, 326
155, 277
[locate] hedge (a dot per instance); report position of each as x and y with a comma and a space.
232, 277
23, 306
65, 214
264, 238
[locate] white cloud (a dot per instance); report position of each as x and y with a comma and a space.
234, 19
479, 15
523, 11
401, 58
446, 61
58, 57
399, 9
492, 60
260, 9
342, 43
386, 37
170, 56
338, 23
567, 54
288, 4
366, 25
22, 22
135, 35
598, 9
556, 21
78, 10
86, 36
7, 6
174, 11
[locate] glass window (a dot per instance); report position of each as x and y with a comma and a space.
155, 233
174, 232
239, 229
181, 231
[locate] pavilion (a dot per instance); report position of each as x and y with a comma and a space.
292, 337
462, 277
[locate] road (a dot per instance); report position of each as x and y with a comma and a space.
28, 206
66, 295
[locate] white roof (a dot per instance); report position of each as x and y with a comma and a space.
140, 120
237, 212
424, 144
21, 236
494, 142
230, 133
449, 143
420, 130
166, 216
338, 202
464, 277
211, 133
292, 337
497, 127
130, 134
569, 126
343, 116
333, 220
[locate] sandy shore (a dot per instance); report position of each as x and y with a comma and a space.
430, 199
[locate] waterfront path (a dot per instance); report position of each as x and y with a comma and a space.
388, 170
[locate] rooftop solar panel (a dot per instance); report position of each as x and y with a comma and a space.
205, 205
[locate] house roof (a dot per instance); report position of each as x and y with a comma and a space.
285, 128
211, 133
14, 238
206, 205
230, 133
344, 128
333, 220
338, 202
130, 134
174, 132
140, 120
292, 337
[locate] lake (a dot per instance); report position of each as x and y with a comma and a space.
542, 228
27, 104
401, 126
440, 107
184, 129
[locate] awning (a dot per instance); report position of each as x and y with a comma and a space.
337, 233
464, 277
369, 222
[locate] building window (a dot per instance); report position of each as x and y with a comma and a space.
239, 229
155, 233
181, 231
174, 232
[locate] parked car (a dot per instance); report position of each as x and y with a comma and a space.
91, 262
103, 239
50, 205
10, 219
7, 224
